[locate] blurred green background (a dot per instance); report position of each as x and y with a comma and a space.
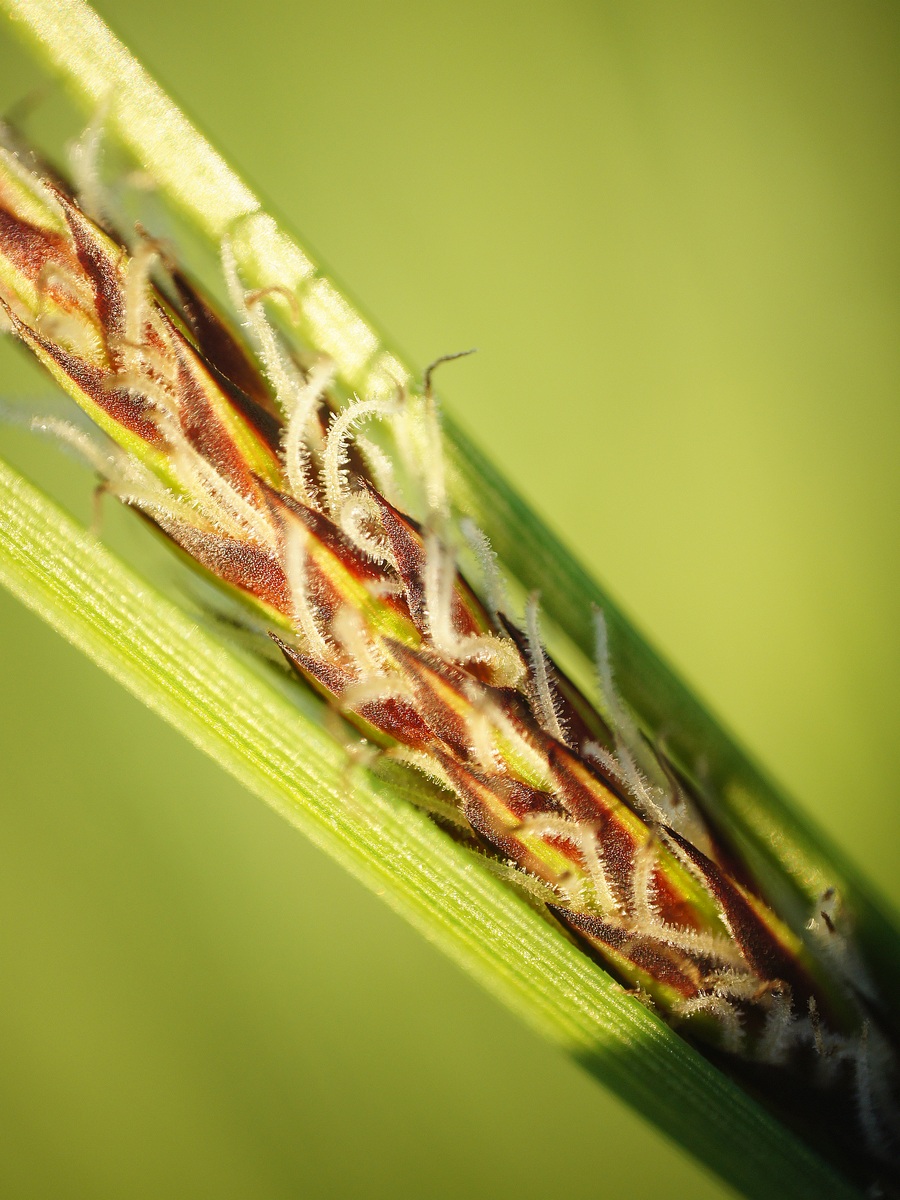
671, 230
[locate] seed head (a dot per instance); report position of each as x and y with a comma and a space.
249, 464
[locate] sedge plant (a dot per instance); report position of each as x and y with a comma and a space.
300, 467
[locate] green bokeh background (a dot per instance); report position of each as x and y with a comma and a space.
671, 230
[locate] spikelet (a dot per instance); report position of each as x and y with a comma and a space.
270, 487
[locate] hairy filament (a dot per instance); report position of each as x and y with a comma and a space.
297, 459
544, 702
336, 447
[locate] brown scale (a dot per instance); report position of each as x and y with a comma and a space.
757, 942
267, 428
335, 540
618, 844
424, 670
240, 564
398, 720
99, 267
386, 721
478, 792
325, 601
467, 613
219, 346
29, 247
227, 361
330, 677
206, 432
579, 723
662, 963
131, 412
